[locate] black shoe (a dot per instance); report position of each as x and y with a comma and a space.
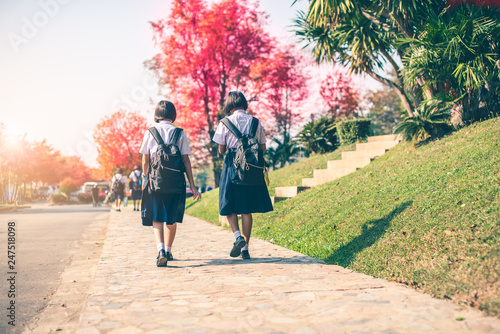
161, 260
237, 246
245, 255
169, 256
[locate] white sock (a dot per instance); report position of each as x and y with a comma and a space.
237, 234
168, 249
245, 247
160, 246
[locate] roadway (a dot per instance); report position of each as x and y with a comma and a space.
47, 238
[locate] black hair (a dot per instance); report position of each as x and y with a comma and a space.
165, 110
119, 170
235, 100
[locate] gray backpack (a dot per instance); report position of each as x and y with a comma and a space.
248, 166
166, 168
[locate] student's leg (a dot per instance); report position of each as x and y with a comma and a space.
161, 260
246, 226
240, 241
158, 232
233, 222
171, 231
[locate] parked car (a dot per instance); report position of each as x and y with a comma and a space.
102, 185
85, 192
44, 191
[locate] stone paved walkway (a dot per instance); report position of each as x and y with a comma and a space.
278, 291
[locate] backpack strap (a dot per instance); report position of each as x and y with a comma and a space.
175, 136
156, 136
253, 126
234, 130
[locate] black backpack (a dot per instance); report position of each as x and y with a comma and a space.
136, 185
118, 186
166, 170
248, 166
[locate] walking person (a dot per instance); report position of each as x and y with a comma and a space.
165, 206
236, 198
135, 185
95, 195
118, 185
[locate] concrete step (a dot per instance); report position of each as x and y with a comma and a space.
383, 138
275, 199
351, 163
309, 182
326, 175
376, 145
288, 192
362, 154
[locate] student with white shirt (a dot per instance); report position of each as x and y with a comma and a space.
158, 209
118, 187
237, 199
135, 186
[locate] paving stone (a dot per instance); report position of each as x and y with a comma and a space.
278, 291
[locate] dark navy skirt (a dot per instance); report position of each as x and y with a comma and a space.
136, 195
239, 199
168, 208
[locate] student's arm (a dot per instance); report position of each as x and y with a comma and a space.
263, 146
222, 149
145, 166
189, 172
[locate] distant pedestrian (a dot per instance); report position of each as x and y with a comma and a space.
162, 206
118, 186
135, 185
95, 195
235, 199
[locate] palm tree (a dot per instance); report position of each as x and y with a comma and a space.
442, 48
284, 152
319, 136
458, 51
430, 119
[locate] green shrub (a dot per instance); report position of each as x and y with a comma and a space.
353, 130
58, 198
428, 121
319, 136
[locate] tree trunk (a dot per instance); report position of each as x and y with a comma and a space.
399, 90
217, 161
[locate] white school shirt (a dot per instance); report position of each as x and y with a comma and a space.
120, 177
134, 175
165, 129
243, 121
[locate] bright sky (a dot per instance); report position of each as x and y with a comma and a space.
65, 64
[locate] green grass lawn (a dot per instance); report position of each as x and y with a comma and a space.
428, 217
292, 175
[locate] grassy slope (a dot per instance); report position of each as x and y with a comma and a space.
428, 217
292, 175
